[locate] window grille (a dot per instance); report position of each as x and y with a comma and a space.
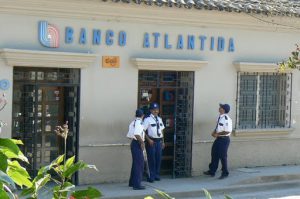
263, 100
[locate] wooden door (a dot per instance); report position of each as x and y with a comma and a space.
50, 112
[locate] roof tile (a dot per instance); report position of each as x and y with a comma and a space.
266, 7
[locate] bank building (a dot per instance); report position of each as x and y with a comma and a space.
93, 63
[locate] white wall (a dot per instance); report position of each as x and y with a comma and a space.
109, 96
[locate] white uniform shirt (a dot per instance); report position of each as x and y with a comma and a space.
136, 128
150, 124
224, 124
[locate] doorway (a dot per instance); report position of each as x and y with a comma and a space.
44, 98
174, 91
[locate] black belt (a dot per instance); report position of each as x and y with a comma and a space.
155, 139
223, 137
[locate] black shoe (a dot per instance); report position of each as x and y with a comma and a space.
208, 173
150, 180
223, 176
157, 179
139, 188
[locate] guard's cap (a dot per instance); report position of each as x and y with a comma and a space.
154, 106
226, 107
139, 113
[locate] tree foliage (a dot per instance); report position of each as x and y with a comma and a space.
293, 61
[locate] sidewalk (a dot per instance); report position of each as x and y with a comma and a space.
239, 181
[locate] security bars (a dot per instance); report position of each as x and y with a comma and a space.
263, 100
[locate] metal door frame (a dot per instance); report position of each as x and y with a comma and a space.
36, 86
176, 87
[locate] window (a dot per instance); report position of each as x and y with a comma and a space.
263, 100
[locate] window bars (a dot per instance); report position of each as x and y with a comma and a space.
263, 100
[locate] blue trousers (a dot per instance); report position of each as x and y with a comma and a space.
154, 154
219, 152
137, 167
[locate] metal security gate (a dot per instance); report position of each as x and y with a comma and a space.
43, 99
174, 91
264, 100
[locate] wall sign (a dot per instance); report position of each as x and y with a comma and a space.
110, 61
189, 42
49, 37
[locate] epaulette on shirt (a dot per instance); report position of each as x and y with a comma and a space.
226, 118
135, 122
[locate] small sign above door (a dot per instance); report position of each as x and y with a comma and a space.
110, 61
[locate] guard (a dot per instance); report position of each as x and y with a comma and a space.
155, 142
220, 146
137, 146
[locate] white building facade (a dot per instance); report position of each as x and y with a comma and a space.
92, 63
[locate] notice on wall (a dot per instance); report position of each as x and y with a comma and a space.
110, 61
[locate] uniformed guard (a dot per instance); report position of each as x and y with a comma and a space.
137, 134
220, 146
155, 141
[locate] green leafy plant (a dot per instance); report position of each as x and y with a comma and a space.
63, 170
11, 172
208, 196
162, 195
293, 61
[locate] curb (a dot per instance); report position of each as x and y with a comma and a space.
220, 191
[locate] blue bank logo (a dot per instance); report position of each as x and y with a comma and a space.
48, 35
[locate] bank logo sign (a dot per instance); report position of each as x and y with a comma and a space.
48, 35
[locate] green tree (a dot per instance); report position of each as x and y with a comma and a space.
293, 61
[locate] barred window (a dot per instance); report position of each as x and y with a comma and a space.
263, 100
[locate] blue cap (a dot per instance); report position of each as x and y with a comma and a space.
226, 107
139, 113
154, 106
